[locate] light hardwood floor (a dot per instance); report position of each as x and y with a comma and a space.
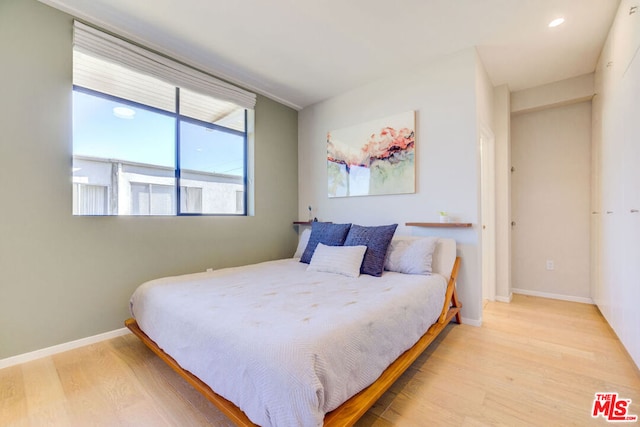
533, 362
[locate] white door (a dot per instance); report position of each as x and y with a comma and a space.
488, 212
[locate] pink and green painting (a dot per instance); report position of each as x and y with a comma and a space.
373, 158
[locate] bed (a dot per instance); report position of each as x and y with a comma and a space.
280, 343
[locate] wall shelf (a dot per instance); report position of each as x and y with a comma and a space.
302, 222
439, 224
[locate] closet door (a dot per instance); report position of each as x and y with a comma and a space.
612, 231
596, 196
630, 92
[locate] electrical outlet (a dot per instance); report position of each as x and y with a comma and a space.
550, 265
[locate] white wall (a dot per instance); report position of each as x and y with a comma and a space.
616, 202
568, 91
551, 193
484, 97
444, 96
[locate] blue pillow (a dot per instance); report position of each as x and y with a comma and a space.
377, 240
326, 233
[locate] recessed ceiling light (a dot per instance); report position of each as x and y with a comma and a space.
556, 22
123, 112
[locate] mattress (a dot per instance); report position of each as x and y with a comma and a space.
283, 344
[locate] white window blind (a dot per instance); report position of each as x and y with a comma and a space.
94, 42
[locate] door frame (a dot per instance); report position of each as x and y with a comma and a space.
488, 212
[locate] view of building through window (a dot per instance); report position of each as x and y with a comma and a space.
143, 147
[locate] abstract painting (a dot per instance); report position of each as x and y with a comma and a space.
377, 157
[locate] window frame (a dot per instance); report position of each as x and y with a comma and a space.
179, 118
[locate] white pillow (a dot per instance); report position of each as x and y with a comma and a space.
411, 255
345, 260
302, 243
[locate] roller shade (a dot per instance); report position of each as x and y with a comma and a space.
93, 42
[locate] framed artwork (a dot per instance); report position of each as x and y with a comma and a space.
372, 158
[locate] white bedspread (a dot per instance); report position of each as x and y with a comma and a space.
286, 345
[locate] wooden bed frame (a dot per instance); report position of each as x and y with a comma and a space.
355, 407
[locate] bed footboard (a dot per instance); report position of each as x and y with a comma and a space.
354, 408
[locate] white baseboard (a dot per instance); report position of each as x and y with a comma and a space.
471, 322
33, 355
582, 300
505, 299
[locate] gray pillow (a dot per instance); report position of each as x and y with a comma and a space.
411, 255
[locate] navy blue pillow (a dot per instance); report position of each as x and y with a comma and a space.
326, 233
377, 240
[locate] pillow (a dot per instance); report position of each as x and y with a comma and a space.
377, 240
411, 256
327, 233
302, 243
345, 260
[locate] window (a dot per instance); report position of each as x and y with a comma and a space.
143, 146
191, 200
90, 199
152, 199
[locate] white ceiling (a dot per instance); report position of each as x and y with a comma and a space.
303, 51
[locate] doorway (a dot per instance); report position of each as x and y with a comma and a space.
550, 201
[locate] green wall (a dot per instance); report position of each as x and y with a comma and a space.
64, 278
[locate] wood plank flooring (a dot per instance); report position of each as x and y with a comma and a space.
533, 362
